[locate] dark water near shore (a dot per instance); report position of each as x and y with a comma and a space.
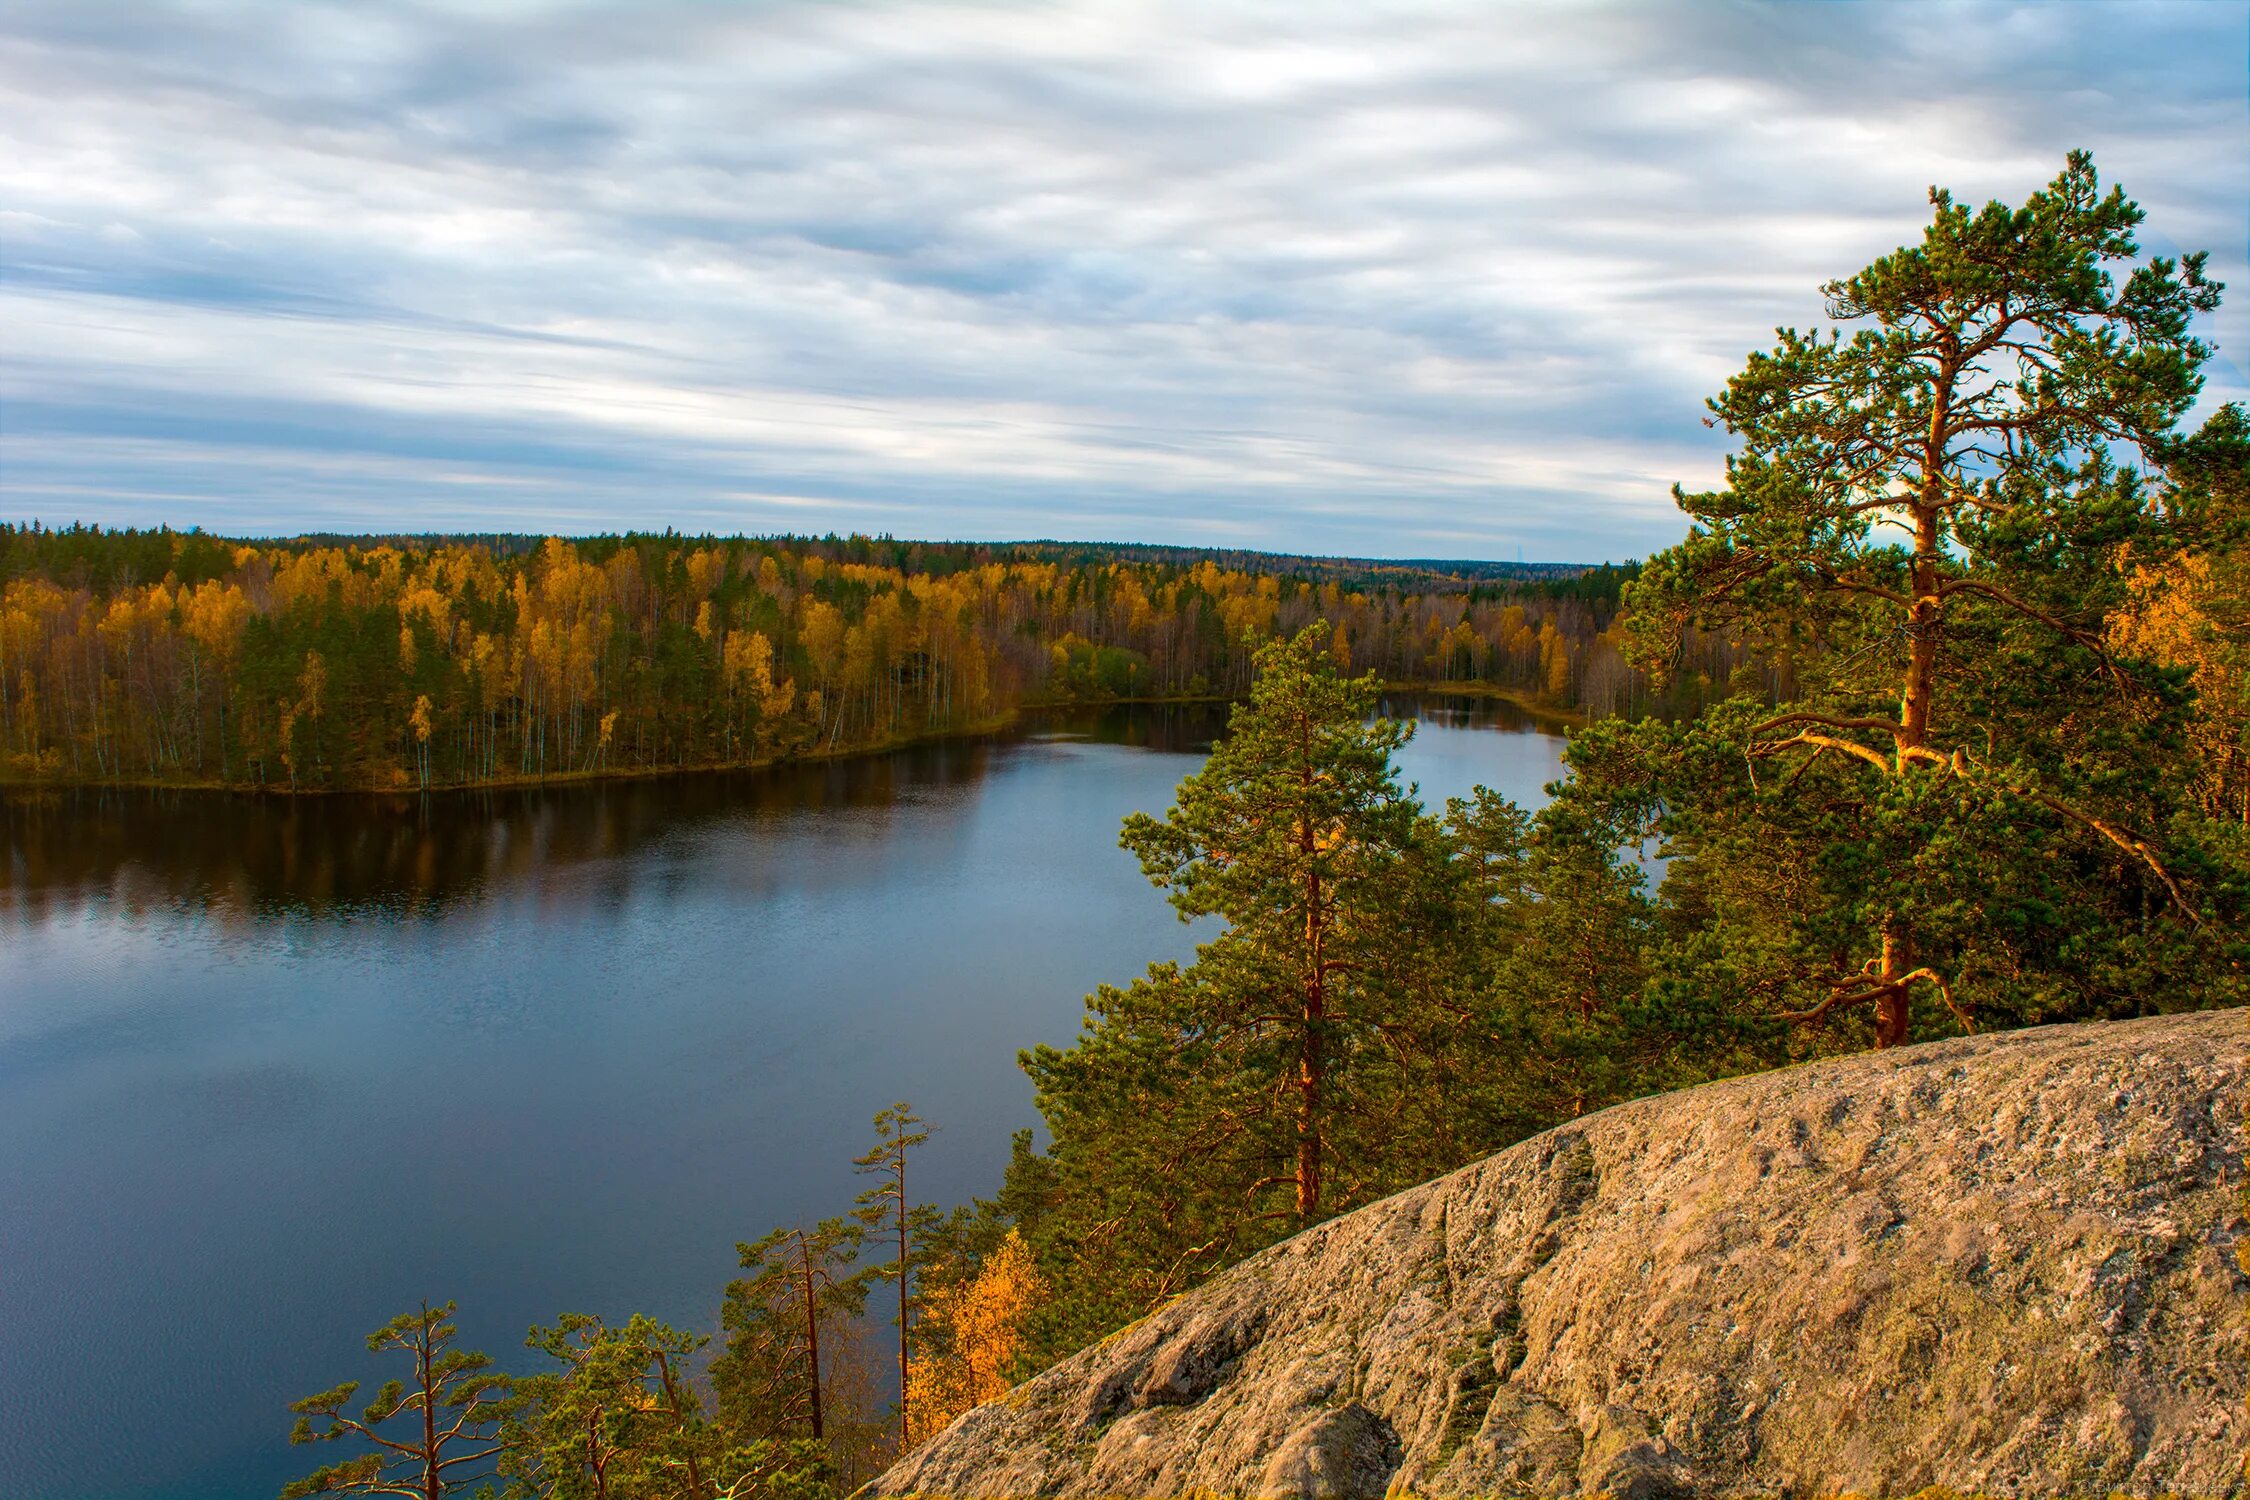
271, 1071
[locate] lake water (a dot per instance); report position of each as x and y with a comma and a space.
272, 1071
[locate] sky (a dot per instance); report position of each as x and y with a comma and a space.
1403, 280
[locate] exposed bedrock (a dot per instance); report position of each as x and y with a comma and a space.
2005, 1264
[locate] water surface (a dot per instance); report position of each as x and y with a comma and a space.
272, 1071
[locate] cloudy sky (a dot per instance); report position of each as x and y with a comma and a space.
1397, 279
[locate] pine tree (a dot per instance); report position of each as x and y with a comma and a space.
620, 1420
884, 1209
455, 1407
771, 1380
1971, 796
1293, 1070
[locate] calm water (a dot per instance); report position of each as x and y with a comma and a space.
272, 1072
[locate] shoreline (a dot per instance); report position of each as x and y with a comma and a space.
985, 728
1567, 718
989, 727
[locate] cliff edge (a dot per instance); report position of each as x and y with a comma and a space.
2005, 1264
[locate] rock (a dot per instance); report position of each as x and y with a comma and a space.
1348, 1453
2004, 1264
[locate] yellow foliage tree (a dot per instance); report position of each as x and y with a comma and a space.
794, 646
418, 723
971, 1333
1554, 658
2194, 613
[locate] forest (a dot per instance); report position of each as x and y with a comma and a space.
1981, 764
176, 658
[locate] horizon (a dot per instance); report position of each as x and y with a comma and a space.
1431, 280
352, 538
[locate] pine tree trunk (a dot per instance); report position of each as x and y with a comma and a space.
902, 1417
1924, 615
433, 1487
812, 1334
1891, 1012
1311, 1065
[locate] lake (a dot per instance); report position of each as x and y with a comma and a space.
273, 1071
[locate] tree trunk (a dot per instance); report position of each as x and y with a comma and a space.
1311, 1064
696, 1487
812, 1333
1924, 621
1891, 1005
1922, 627
898, 1183
433, 1488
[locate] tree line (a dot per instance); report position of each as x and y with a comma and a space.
1989, 771
181, 658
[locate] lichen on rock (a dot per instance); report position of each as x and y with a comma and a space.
2001, 1265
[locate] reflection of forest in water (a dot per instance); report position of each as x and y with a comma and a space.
643, 1018
244, 855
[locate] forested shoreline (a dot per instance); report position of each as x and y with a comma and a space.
177, 658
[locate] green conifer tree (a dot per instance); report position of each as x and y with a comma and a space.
884, 1210
437, 1432
798, 1298
619, 1420
1970, 800
1294, 1069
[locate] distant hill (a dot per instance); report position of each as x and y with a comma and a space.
1417, 571
1421, 574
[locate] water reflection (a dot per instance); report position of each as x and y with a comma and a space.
272, 1070
239, 858
247, 858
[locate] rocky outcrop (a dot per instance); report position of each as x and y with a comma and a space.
2004, 1264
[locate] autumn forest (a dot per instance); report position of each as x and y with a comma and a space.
178, 658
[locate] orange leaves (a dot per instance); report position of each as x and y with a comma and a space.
523, 652
214, 615
1554, 662
821, 631
746, 666
973, 1332
746, 662
425, 597
34, 613
358, 579
1250, 613
2191, 613
133, 616
706, 570
563, 616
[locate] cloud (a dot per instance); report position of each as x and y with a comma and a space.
1387, 279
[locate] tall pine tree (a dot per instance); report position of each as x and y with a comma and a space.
1292, 1071
1969, 801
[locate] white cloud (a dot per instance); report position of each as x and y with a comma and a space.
1319, 278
